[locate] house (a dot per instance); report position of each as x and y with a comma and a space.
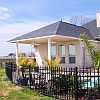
61, 39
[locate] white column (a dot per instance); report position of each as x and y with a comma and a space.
33, 45
16, 52
49, 49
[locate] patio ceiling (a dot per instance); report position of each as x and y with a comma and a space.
44, 39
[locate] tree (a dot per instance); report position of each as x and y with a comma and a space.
79, 20
94, 53
11, 54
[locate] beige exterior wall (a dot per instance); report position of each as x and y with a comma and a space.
80, 60
42, 52
97, 45
88, 61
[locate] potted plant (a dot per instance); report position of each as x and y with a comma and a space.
53, 62
23, 64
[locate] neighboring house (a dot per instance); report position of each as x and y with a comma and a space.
61, 39
5, 59
94, 30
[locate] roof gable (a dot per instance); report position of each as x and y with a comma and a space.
71, 30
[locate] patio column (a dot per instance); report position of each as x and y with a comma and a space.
16, 52
33, 45
49, 48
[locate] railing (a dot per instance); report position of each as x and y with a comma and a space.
60, 83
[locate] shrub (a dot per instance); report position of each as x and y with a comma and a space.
62, 84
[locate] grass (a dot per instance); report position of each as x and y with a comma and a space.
10, 91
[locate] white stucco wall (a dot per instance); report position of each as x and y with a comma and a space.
43, 52
88, 60
43, 48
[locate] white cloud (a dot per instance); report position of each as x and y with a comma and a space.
4, 13
20, 28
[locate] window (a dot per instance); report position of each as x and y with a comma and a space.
72, 54
62, 53
53, 51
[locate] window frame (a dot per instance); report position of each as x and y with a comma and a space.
62, 56
71, 56
53, 56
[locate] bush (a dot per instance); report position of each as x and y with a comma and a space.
62, 84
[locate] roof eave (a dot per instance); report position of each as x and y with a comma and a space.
31, 39
50, 36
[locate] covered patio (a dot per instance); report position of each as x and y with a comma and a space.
47, 42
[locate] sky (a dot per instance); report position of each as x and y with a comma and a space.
18, 17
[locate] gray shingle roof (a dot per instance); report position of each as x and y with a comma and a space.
71, 30
92, 27
58, 28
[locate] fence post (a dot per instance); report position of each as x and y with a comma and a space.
76, 83
11, 71
1, 65
98, 84
30, 77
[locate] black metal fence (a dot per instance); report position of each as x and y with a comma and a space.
60, 83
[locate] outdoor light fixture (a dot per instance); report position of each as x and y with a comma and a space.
53, 42
34, 45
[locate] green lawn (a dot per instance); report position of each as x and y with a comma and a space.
10, 91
